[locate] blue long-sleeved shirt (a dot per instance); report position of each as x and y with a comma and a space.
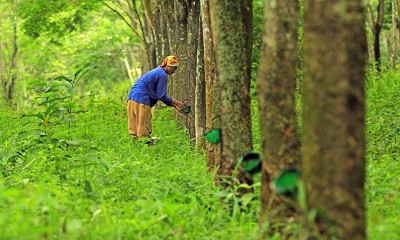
150, 88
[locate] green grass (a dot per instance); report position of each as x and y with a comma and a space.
383, 156
136, 191
101, 185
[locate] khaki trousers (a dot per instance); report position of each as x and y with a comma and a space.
139, 119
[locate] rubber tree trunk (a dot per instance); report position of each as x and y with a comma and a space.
377, 33
395, 33
334, 116
181, 87
213, 118
193, 29
276, 86
200, 95
229, 39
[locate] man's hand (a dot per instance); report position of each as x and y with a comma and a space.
177, 104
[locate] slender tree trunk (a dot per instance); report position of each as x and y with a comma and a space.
334, 116
181, 88
247, 19
388, 41
181, 19
3, 75
211, 85
193, 29
160, 36
171, 26
8, 66
146, 21
395, 32
165, 26
138, 21
377, 32
13, 65
200, 94
370, 23
131, 13
276, 85
169, 12
128, 69
229, 40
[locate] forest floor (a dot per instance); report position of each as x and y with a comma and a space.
88, 180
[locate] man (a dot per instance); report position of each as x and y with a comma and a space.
150, 88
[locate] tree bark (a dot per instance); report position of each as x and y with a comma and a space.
370, 23
3, 74
8, 65
213, 152
395, 32
200, 94
229, 32
171, 26
13, 65
193, 30
247, 19
181, 88
334, 116
160, 36
276, 85
377, 32
200, 100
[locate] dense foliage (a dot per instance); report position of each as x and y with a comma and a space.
90, 181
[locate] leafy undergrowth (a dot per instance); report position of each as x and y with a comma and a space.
85, 179
68, 173
383, 156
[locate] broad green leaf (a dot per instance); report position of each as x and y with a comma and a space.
69, 105
38, 115
246, 199
245, 185
80, 70
84, 70
50, 109
59, 78
47, 102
